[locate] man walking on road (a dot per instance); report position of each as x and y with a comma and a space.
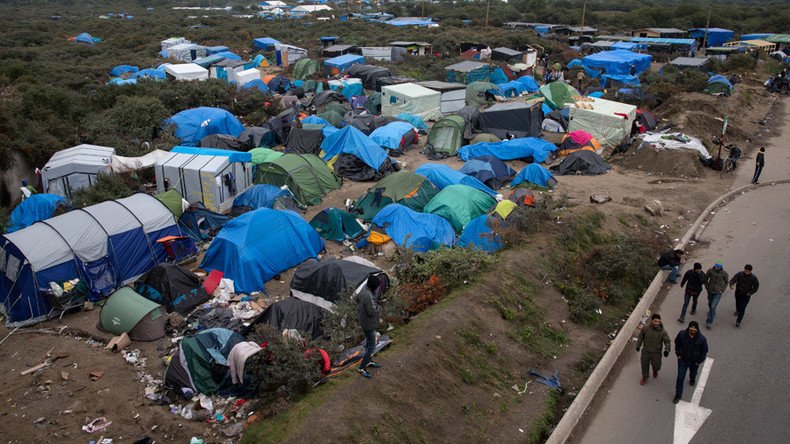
652, 338
716, 280
691, 347
670, 261
695, 279
745, 284
758, 166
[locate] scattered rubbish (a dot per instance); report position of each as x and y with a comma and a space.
521, 430
600, 198
195, 440
233, 430
96, 425
34, 368
39, 420
64, 375
551, 381
654, 208
96, 375
119, 343
518, 390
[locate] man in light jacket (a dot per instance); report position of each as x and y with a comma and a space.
716, 279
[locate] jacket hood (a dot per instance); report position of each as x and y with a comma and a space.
693, 324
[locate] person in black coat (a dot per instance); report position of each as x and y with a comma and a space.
745, 284
758, 166
368, 317
695, 279
671, 261
691, 348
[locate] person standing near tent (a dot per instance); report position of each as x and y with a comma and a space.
27, 190
716, 280
368, 317
758, 166
745, 284
633, 70
695, 279
671, 261
580, 79
691, 348
651, 339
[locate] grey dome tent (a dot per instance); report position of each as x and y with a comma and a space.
74, 168
445, 137
582, 162
324, 282
127, 312
177, 288
291, 313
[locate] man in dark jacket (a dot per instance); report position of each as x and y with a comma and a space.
670, 261
368, 317
716, 280
652, 338
758, 166
745, 284
692, 349
695, 279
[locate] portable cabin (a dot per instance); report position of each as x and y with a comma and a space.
76, 167
453, 95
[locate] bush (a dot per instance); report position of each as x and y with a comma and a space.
671, 81
583, 305
5, 218
453, 266
108, 186
739, 64
128, 124
341, 327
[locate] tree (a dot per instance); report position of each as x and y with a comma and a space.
128, 124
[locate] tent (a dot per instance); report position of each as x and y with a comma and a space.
198, 360
525, 148
335, 224
86, 38
306, 175
158, 74
608, 121
264, 44
410, 229
718, 85
512, 88
506, 54
493, 172
403, 187
256, 246
521, 119
341, 64
324, 282
443, 176
368, 74
258, 196
578, 140
582, 162
175, 287
557, 94
223, 142
484, 137
74, 168
105, 245
478, 93
397, 136
350, 141
522, 197
292, 314
262, 155
459, 204
467, 72
714, 36
453, 95
194, 124
534, 175
279, 84
256, 136
616, 63
123, 69
529, 83
186, 71
304, 141
305, 68
412, 99
33, 209
200, 223
416, 121
127, 312
445, 137
478, 235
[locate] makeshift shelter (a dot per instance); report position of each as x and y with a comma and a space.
646, 118
262, 155
200, 223
175, 287
459, 204
259, 245
522, 197
443, 176
213, 178
264, 44
105, 245
368, 74
325, 282
157, 74
127, 312
74, 168
287, 54
186, 71
557, 94
335, 224
260, 196
292, 314
467, 72
534, 175
609, 122
305, 68
306, 175
484, 137
478, 235
35, 208
194, 124
525, 148
123, 69
586, 163
521, 119
257, 136
199, 359
403, 187
699, 63
350, 142
718, 85
616, 63
396, 136
410, 229
576, 141
86, 38
478, 93
341, 64
304, 141
453, 95
493, 172
445, 137
506, 55
223, 142
711, 36
416, 121
412, 99
472, 121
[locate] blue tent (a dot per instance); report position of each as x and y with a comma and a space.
256, 246
264, 44
443, 176
123, 69
350, 140
211, 50
716, 36
158, 74
624, 79
477, 235
233, 156
228, 55
513, 149
512, 88
529, 83
194, 124
259, 196
390, 135
488, 169
410, 229
719, 79
86, 38
315, 120
258, 84
498, 76
416, 121
617, 62
279, 84
536, 175
348, 89
33, 209
343, 62
120, 81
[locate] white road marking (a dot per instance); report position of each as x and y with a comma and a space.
689, 416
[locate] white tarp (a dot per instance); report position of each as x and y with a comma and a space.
608, 121
121, 164
675, 141
413, 99
187, 71
246, 76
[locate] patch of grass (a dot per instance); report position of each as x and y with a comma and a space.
582, 233
587, 362
477, 361
582, 303
541, 428
542, 339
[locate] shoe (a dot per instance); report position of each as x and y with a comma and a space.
708, 326
692, 382
655, 373
693, 311
672, 282
735, 314
374, 365
364, 373
643, 381
681, 320
676, 400
737, 324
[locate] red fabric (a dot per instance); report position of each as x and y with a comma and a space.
326, 364
624, 116
580, 137
212, 281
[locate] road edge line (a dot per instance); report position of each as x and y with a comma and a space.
584, 398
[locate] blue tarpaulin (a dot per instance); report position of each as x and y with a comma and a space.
233, 156
512, 88
627, 46
344, 62
256, 246
489, 170
716, 36
443, 176
264, 44
158, 74
33, 209
228, 55
194, 124
477, 235
123, 69
315, 120
416, 121
350, 140
258, 84
410, 22
617, 62
533, 147
534, 174
211, 50
410, 229
86, 38
259, 196
120, 81
390, 135
347, 89
529, 83
758, 36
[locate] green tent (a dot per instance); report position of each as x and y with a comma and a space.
484, 137
373, 105
446, 136
334, 118
306, 175
459, 204
557, 94
337, 225
476, 93
262, 155
128, 312
305, 68
404, 187
334, 107
172, 200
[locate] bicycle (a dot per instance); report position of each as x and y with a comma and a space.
731, 162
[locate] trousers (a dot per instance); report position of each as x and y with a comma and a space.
684, 367
649, 359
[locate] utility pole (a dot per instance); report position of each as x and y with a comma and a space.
422, 14
488, 8
707, 26
584, 13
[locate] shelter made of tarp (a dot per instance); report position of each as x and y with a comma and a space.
194, 124
176, 288
467, 72
196, 366
35, 208
326, 281
306, 175
521, 119
394, 135
341, 64
105, 245
557, 94
587, 163
525, 148
264, 44
608, 121
125, 311
616, 62
459, 204
413, 230
123, 69
412, 99
714, 36
443, 176
493, 172
350, 140
478, 235
534, 175
76, 167
403, 187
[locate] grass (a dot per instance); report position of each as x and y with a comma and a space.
477, 361
541, 429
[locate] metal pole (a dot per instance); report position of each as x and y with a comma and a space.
707, 26
488, 8
422, 14
584, 13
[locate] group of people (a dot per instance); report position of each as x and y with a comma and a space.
691, 346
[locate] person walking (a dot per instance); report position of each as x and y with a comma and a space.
758, 166
671, 261
695, 279
746, 284
368, 317
716, 279
691, 348
651, 339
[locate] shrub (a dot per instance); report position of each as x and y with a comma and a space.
671, 81
128, 124
341, 327
5, 218
739, 63
453, 266
107, 186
